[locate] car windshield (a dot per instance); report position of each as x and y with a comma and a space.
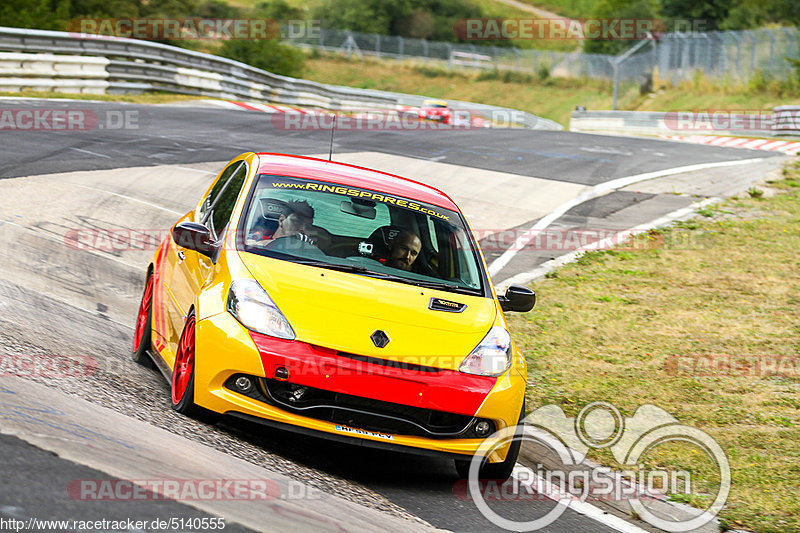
362, 231
439, 106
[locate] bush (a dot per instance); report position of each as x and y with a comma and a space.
543, 73
266, 54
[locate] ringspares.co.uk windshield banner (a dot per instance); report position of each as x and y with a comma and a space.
280, 182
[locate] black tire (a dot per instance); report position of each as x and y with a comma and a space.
500, 471
139, 354
186, 405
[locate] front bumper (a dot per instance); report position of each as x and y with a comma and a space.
448, 402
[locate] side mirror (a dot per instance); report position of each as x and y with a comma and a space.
194, 236
518, 298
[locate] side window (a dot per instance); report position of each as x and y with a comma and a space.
222, 204
223, 179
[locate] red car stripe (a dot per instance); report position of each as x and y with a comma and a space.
314, 366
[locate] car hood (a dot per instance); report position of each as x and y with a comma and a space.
340, 311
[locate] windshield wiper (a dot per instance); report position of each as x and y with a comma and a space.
421, 283
358, 269
445, 287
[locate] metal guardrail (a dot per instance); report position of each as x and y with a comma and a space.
784, 120
140, 66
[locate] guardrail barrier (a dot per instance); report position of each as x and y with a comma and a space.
69, 62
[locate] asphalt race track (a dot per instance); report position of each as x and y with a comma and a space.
115, 421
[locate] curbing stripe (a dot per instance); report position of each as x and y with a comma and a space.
526, 277
581, 507
599, 190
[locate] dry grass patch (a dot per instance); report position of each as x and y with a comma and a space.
611, 326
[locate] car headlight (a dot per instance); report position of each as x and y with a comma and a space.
255, 310
492, 356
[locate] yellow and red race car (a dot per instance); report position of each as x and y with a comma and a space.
339, 301
437, 110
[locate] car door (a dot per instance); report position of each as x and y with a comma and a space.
190, 269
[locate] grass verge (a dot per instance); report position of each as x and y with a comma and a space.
548, 97
611, 327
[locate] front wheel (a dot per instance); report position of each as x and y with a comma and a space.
143, 332
500, 471
183, 376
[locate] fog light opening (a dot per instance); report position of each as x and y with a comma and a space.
482, 428
298, 394
281, 373
243, 384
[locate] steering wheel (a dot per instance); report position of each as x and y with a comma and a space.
295, 241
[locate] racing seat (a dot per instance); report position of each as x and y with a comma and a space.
266, 222
381, 241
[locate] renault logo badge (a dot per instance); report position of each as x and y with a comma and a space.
379, 338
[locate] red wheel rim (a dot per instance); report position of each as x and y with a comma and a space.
141, 318
183, 362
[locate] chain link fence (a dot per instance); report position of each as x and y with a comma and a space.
676, 56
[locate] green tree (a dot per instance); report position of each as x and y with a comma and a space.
622, 10
278, 10
422, 19
700, 15
747, 14
266, 54
41, 14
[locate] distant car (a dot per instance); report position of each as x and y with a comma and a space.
336, 301
437, 110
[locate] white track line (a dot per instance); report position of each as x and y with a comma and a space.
93, 251
197, 170
580, 507
91, 153
544, 268
596, 191
131, 198
222, 103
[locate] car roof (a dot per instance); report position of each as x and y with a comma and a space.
431, 101
333, 172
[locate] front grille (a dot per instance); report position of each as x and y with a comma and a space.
358, 412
